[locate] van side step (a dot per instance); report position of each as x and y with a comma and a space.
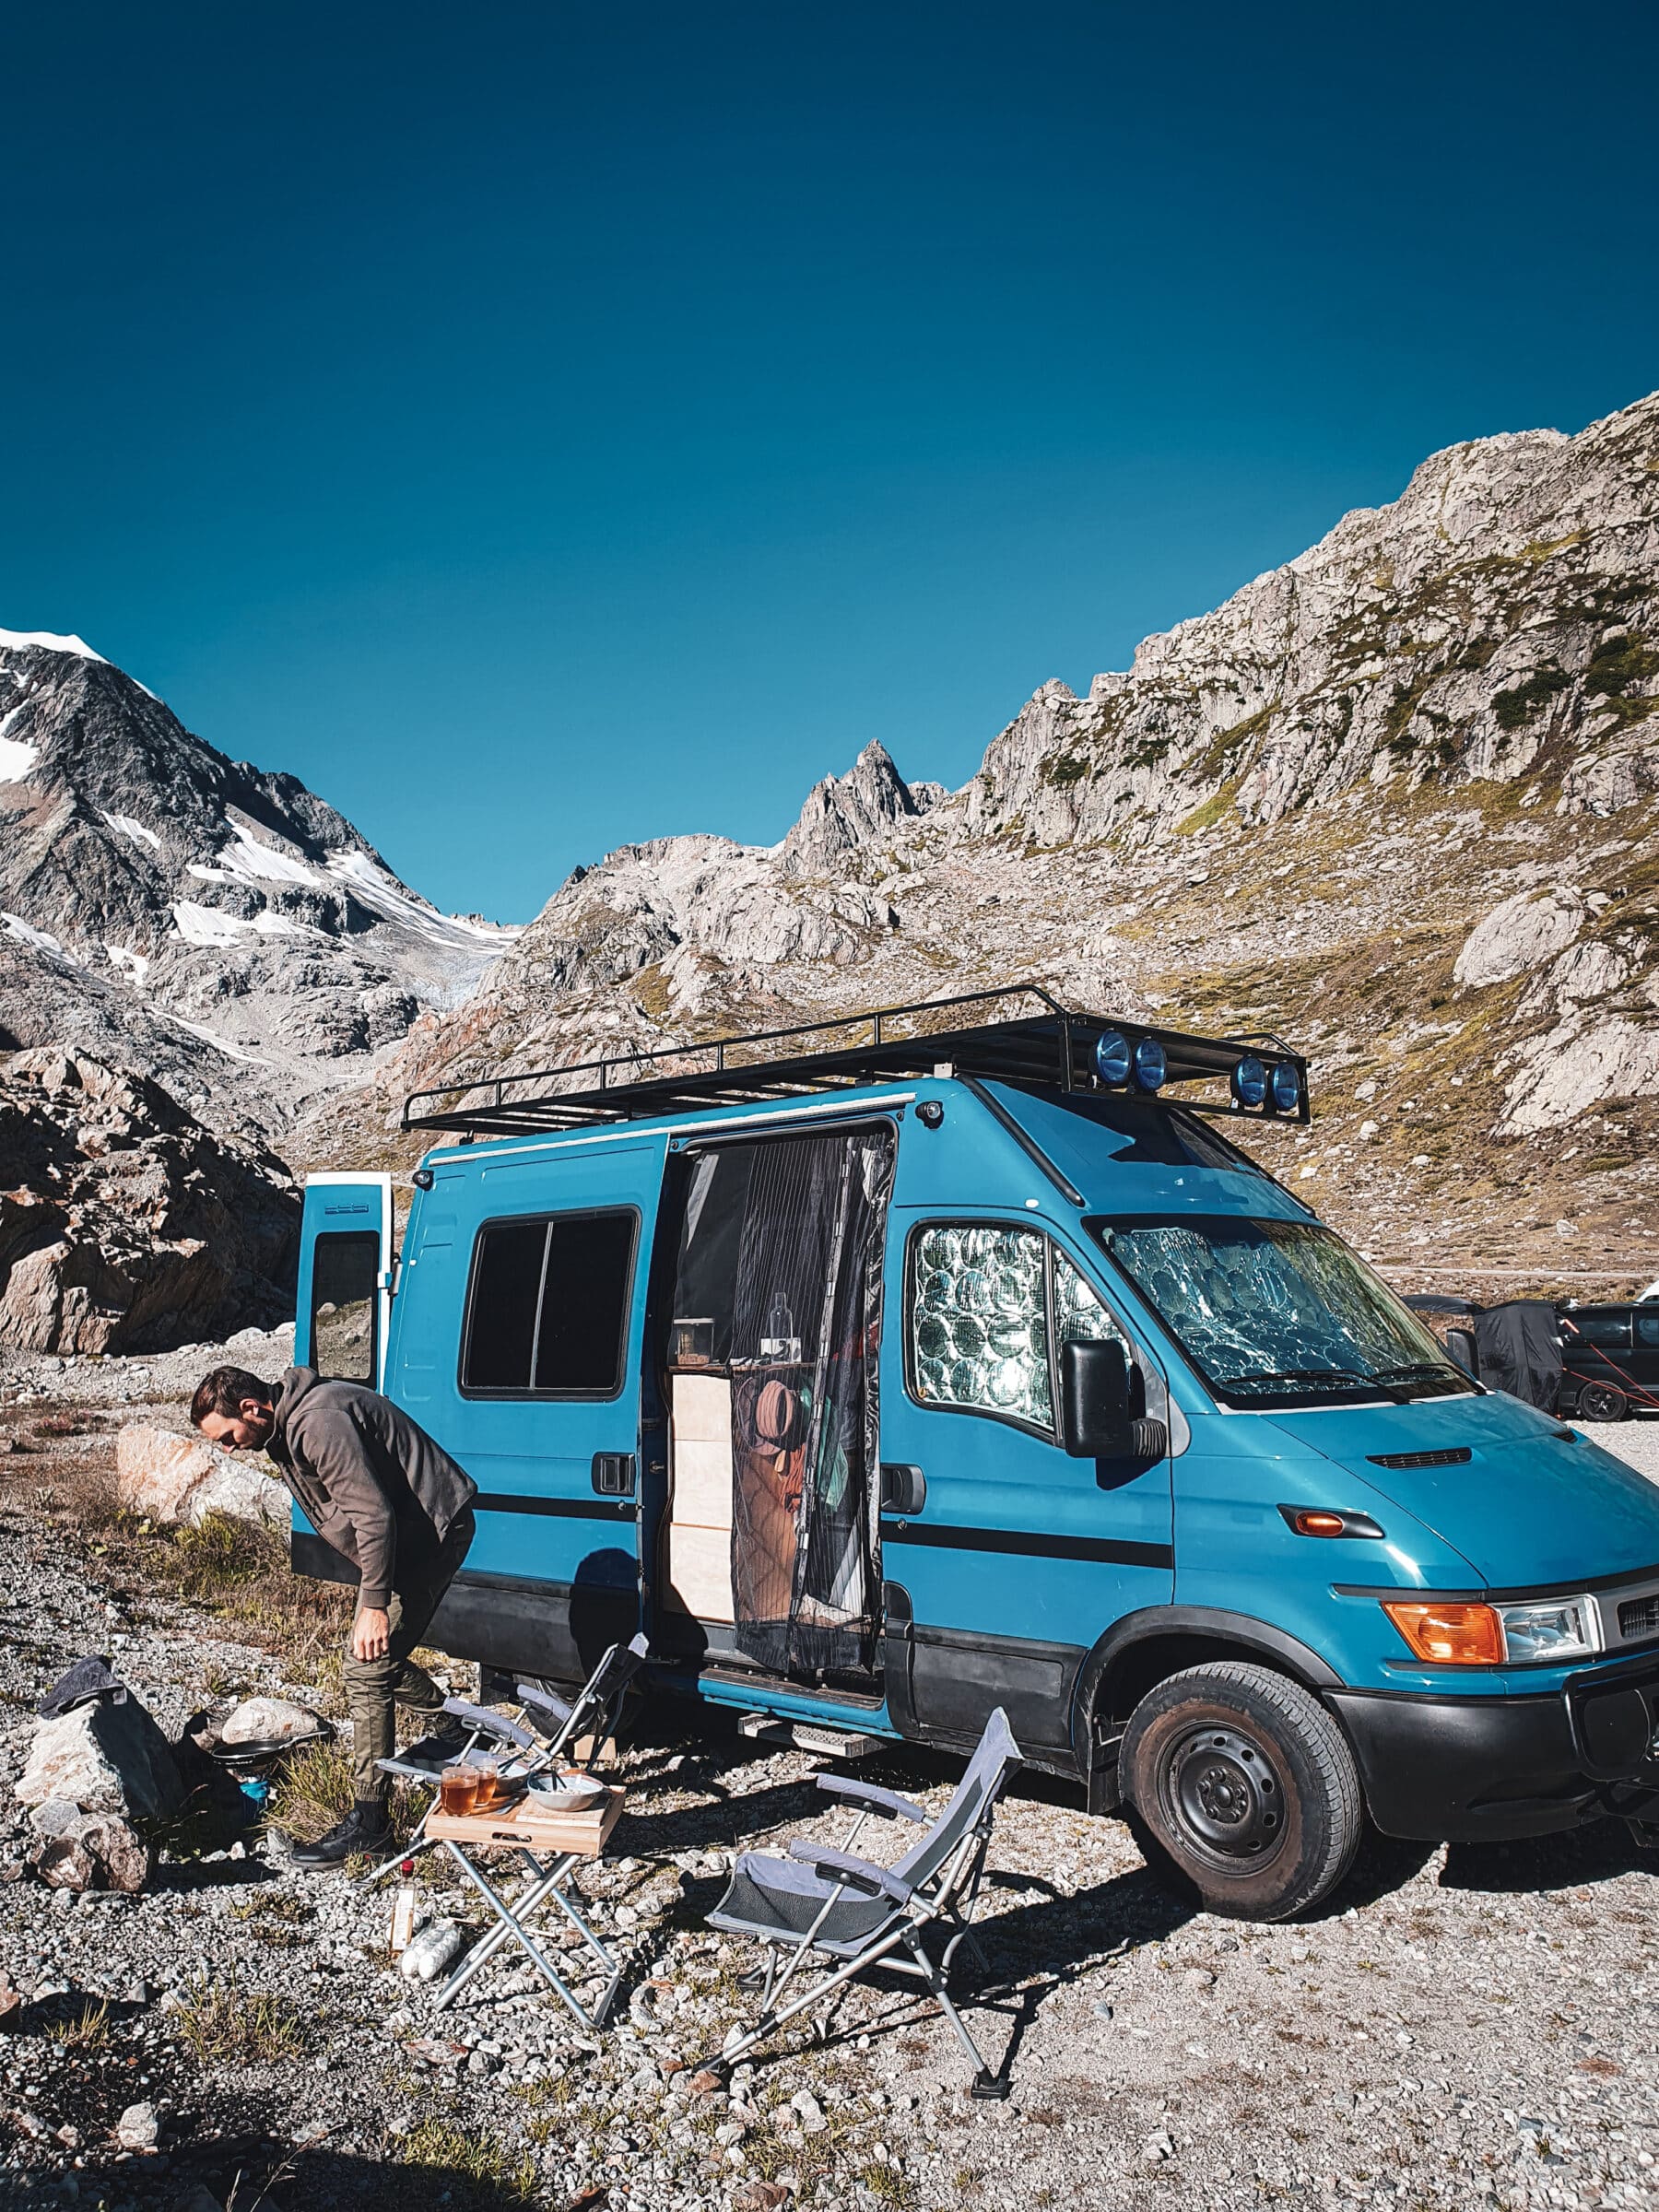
806, 1735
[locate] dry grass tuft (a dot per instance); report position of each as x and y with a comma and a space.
226, 2025
89, 2030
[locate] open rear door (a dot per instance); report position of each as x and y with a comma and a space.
344, 1294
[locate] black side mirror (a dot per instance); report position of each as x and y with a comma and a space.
1094, 1393
1096, 1420
1460, 1343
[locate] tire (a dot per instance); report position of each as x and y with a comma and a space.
1602, 1402
1242, 1789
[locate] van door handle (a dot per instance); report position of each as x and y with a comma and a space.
614, 1474
903, 1488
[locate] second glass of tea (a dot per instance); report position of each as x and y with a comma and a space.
458, 1788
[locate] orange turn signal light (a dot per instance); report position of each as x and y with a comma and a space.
1311, 1523
1448, 1635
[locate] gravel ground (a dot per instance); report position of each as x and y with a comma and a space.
1458, 2027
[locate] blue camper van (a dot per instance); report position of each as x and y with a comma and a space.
887, 1371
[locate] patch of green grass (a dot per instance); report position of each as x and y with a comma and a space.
220, 1553
887, 2185
224, 2024
316, 1788
436, 2144
1204, 816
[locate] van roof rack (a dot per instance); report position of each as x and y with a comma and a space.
1045, 1044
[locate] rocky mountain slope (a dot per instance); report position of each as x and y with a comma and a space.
190, 916
1396, 800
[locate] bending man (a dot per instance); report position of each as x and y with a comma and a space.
391, 1502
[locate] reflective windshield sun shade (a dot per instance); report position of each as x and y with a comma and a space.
1280, 1314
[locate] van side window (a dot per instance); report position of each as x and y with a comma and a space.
1647, 1329
547, 1314
1611, 1329
344, 1282
979, 1325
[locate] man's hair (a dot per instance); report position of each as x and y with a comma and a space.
223, 1391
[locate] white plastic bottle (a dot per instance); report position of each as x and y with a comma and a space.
405, 1904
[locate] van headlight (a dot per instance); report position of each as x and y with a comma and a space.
1552, 1628
1460, 1632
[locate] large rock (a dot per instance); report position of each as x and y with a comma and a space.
272, 1721
130, 1227
1522, 933
173, 1478
97, 1851
105, 1758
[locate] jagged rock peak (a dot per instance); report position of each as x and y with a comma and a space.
1495, 622
859, 808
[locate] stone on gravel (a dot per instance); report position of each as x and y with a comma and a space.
105, 1758
139, 2128
57, 1816
173, 1478
271, 1721
98, 1851
65, 1862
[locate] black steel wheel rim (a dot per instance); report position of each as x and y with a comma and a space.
1599, 1402
1224, 1796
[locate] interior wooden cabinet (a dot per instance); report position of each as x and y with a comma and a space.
696, 1535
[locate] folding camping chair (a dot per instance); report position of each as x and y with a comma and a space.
862, 1914
557, 1725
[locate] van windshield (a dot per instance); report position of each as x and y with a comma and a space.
1280, 1314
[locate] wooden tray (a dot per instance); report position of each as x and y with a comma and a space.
534, 1827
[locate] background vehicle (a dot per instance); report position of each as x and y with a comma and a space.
945, 1362
1611, 1360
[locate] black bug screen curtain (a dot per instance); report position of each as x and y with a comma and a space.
781, 1249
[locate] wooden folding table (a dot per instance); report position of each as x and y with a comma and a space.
550, 1843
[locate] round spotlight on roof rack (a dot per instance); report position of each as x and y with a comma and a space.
1112, 1057
1250, 1081
1284, 1085
1151, 1063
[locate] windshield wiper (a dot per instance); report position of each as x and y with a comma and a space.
1343, 1377
1421, 1367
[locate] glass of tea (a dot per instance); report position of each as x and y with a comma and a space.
458, 1788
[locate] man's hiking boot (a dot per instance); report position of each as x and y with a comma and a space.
364, 1828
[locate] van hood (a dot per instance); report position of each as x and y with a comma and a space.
1534, 1505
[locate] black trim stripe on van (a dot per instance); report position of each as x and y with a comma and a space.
556, 1509
1029, 1544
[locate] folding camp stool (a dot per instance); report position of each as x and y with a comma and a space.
861, 1914
557, 1726
550, 1844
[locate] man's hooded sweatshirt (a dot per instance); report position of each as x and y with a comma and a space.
368, 1479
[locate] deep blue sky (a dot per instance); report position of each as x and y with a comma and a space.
542, 426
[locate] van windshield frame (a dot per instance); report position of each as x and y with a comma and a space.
1328, 1331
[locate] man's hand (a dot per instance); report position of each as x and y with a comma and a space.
371, 1634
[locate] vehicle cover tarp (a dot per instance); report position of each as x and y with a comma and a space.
1519, 1350
781, 1253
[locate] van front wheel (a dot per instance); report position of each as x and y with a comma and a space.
1242, 1788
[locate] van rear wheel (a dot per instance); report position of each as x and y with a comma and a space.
1242, 1789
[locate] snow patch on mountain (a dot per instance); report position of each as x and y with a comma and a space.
16, 759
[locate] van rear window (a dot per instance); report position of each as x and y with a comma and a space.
547, 1312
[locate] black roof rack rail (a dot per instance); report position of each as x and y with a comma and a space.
1047, 1044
